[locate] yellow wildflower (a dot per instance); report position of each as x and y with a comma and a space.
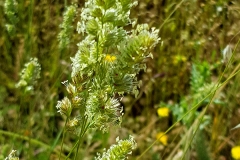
236, 152
179, 58
163, 138
110, 58
163, 112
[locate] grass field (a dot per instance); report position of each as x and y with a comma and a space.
188, 101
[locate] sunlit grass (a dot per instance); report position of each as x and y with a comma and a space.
193, 32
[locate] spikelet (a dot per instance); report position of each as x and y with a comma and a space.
119, 151
66, 26
12, 156
108, 60
29, 75
11, 10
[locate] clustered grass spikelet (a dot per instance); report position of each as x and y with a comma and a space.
29, 75
73, 124
98, 83
12, 156
65, 107
11, 10
119, 151
105, 67
66, 26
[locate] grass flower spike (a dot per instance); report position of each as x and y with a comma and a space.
105, 67
99, 82
29, 75
11, 10
77, 74
66, 26
12, 156
65, 107
119, 151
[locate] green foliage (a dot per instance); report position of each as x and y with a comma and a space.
200, 88
201, 147
200, 75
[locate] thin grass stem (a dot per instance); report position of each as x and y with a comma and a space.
64, 133
211, 100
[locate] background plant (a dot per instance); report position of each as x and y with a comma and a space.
201, 36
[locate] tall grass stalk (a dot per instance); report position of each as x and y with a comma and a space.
103, 69
198, 121
212, 96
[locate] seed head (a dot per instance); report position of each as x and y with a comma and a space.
65, 107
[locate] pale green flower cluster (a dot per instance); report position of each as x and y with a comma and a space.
107, 62
12, 156
66, 26
119, 151
29, 75
11, 10
105, 68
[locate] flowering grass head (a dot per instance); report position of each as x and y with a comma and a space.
12, 156
65, 107
29, 75
98, 82
105, 67
11, 11
66, 26
119, 151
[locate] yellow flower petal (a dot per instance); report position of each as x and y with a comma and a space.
163, 138
110, 58
163, 112
236, 152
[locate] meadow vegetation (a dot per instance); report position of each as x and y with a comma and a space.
67, 74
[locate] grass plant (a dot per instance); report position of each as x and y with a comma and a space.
179, 97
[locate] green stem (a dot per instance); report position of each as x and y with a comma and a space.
29, 36
84, 129
26, 138
65, 3
64, 133
80, 137
205, 110
193, 108
166, 20
76, 144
